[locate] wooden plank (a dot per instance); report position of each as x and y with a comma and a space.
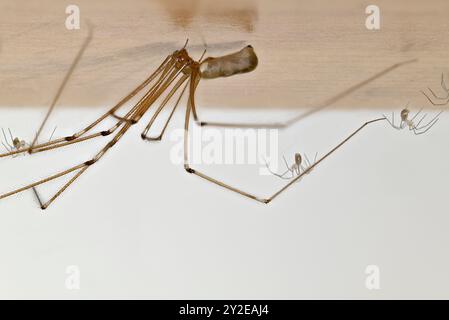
308, 50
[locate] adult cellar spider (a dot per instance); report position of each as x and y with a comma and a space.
177, 73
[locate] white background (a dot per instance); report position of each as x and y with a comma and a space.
138, 226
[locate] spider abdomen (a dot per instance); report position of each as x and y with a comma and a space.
242, 61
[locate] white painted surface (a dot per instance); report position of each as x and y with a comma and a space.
138, 226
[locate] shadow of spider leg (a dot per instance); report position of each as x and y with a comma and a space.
444, 100
415, 123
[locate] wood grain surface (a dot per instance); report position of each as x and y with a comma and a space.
308, 50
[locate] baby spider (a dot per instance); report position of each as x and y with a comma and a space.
417, 127
297, 168
15, 144
444, 99
12, 144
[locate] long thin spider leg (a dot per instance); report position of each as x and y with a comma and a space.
165, 64
392, 124
189, 169
70, 140
186, 146
169, 96
62, 142
11, 136
6, 147
423, 129
294, 169
166, 73
280, 175
202, 56
289, 168
314, 109
150, 99
164, 82
173, 111
314, 159
161, 106
147, 100
429, 123
143, 104
185, 44
420, 131
6, 140
78, 136
419, 122
297, 169
63, 84
414, 117
285, 162
52, 134
81, 168
81, 139
250, 195
309, 163
36, 194
159, 137
273, 196
195, 114
42, 181
307, 160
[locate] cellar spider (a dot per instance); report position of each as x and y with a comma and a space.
412, 123
178, 73
299, 166
15, 145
